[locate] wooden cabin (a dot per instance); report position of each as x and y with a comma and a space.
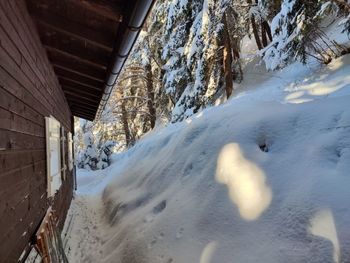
58, 59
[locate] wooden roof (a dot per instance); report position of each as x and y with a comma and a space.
80, 37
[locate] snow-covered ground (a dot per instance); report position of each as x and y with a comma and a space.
265, 177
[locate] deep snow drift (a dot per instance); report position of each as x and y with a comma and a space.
264, 177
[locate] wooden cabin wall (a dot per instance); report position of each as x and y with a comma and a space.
29, 91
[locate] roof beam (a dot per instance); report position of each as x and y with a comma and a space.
83, 116
92, 94
82, 109
81, 103
79, 96
77, 73
73, 46
74, 30
56, 15
82, 106
56, 54
98, 85
103, 8
73, 83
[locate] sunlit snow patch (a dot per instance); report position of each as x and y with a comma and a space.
322, 225
245, 182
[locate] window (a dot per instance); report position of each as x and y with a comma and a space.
53, 145
70, 151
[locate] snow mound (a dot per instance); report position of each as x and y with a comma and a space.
263, 178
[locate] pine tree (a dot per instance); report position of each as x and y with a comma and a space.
286, 27
188, 55
176, 32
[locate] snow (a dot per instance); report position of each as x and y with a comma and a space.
263, 177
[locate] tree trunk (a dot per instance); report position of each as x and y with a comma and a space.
126, 123
263, 34
256, 32
267, 29
255, 28
150, 95
227, 61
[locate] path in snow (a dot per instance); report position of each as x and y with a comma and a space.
86, 236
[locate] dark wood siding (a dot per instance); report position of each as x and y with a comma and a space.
29, 91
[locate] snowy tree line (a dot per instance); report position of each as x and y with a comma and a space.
93, 145
189, 55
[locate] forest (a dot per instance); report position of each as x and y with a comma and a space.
192, 54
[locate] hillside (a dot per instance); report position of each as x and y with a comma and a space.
263, 177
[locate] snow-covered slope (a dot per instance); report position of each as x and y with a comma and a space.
264, 177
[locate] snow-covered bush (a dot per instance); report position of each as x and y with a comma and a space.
88, 156
105, 152
92, 151
91, 157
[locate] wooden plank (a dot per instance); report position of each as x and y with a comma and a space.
29, 90
67, 74
29, 29
86, 98
19, 235
15, 105
24, 75
103, 8
19, 183
11, 86
67, 27
80, 102
16, 73
65, 59
7, 44
84, 111
33, 60
73, 10
88, 107
14, 140
74, 46
15, 188
27, 196
12, 74
26, 59
78, 85
62, 207
80, 73
81, 114
23, 228
84, 116
88, 93
81, 110
13, 122
22, 157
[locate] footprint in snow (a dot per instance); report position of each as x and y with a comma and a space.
180, 232
152, 243
159, 208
